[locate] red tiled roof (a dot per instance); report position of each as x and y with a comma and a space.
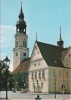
23, 67
64, 53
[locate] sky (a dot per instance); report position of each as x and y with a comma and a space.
43, 17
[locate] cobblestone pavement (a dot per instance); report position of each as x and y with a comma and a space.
31, 96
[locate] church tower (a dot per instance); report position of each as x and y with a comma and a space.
20, 52
60, 43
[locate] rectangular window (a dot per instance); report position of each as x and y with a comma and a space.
54, 73
39, 74
66, 74
43, 74
42, 84
32, 75
60, 73
35, 75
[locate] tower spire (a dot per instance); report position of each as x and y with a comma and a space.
36, 36
21, 24
60, 34
21, 5
60, 42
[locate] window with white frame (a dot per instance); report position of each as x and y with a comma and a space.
39, 74
35, 74
42, 84
43, 73
60, 73
66, 74
54, 73
32, 75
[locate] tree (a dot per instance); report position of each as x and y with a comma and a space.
3, 77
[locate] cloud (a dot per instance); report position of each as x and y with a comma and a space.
7, 35
7, 27
4, 43
7, 42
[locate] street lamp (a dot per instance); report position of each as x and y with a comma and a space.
38, 97
0, 75
55, 86
7, 63
1, 68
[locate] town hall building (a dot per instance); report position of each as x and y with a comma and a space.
48, 68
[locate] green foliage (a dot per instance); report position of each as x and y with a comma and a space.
18, 80
3, 72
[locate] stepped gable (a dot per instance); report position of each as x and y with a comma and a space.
51, 54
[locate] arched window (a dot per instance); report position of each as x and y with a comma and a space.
25, 43
16, 43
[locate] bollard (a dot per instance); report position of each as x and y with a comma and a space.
38, 98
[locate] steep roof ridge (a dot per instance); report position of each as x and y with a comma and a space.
48, 44
64, 52
51, 53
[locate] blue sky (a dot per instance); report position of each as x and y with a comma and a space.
43, 17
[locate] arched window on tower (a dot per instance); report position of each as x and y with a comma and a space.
24, 44
16, 43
